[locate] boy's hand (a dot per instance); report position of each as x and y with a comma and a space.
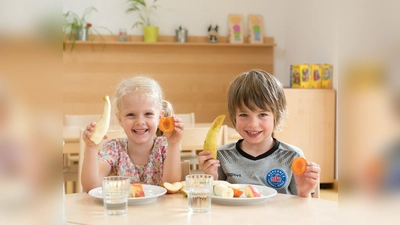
309, 180
208, 164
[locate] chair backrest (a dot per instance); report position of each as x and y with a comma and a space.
81, 120
111, 134
193, 137
185, 169
317, 191
187, 118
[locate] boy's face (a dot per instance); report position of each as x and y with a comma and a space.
256, 126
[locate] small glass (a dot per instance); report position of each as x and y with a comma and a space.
199, 189
122, 35
115, 195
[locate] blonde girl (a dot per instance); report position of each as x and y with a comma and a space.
142, 156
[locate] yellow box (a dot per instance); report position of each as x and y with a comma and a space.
316, 81
327, 74
300, 76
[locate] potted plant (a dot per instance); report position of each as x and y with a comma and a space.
181, 34
144, 10
213, 33
77, 28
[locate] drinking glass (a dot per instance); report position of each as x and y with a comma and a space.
115, 195
199, 189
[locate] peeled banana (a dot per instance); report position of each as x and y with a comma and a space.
210, 143
102, 125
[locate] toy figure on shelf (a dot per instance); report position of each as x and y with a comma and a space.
213, 33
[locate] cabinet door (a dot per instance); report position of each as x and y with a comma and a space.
310, 125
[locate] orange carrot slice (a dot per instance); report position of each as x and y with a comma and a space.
299, 165
236, 192
166, 124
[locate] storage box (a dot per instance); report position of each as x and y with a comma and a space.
326, 76
300, 76
316, 81
235, 28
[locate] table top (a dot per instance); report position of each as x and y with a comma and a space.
81, 208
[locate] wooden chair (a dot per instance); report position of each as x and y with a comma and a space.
80, 121
187, 118
111, 134
317, 191
185, 169
193, 139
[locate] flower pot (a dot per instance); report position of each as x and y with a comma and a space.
82, 34
181, 35
150, 34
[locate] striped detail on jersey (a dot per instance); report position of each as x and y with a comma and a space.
227, 156
285, 157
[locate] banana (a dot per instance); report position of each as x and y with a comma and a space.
103, 123
210, 143
222, 190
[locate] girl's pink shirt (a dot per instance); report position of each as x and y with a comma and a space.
115, 153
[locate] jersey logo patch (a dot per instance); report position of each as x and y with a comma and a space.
276, 178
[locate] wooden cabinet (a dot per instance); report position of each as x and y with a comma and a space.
310, 125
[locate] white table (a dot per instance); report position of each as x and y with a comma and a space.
172, 209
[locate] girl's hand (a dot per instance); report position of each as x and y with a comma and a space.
175, 136
309, 180
207, 164
87, 134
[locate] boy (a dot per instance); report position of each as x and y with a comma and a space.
257, 106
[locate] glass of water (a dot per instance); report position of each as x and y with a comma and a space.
199, 189
115, 195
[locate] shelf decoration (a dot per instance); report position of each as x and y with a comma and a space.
255, 26
213, 34
235, 28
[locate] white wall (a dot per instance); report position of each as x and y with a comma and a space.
196, 15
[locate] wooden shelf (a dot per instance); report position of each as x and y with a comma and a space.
169, 41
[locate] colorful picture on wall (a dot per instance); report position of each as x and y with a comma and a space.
255, 26
235, 28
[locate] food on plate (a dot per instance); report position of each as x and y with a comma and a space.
167, 124
183, 192
236, 192
299, 165
102, 125
251, 191
222, 190
136, 190
210, 143
172, 188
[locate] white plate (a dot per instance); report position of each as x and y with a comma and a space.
266, 192
151, 194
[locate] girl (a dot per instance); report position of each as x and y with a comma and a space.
142, 156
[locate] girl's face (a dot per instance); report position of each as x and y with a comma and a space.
255, 127
139, 117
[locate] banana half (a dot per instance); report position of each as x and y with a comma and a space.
103, 124
210, 143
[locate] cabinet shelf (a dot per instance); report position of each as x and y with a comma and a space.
169, 41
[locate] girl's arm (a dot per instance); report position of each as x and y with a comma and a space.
93, 170
172, 163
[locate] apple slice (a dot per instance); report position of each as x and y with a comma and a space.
136, 190
172, 188
251, 191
